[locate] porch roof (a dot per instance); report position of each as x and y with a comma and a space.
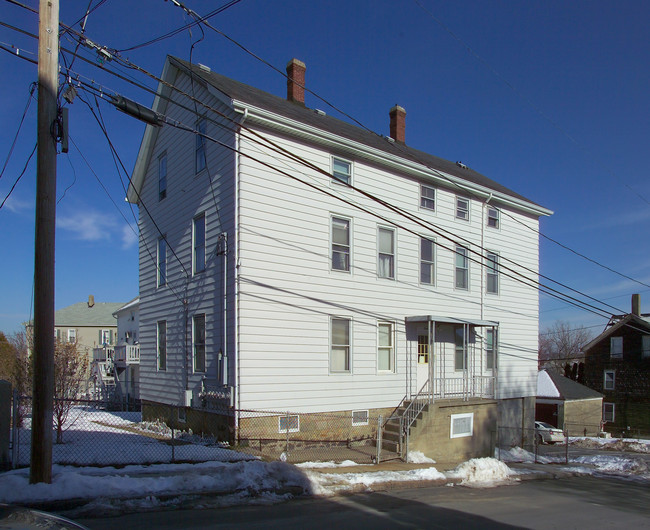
452, 320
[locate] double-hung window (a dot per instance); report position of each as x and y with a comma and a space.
460, 357
386, 347
199, 154
490, 348
493, 217
462, 208
427, 261
342, 170
492, 273
608, 412
462, 268
645, 346
162, 262
340, 344
340, 244
609, 380
198, 342
72, 336
198, 242
386, 253
162, 176
616, 347
162, 344
427, 197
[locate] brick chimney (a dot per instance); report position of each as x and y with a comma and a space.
296, 81
398, 124
636, 304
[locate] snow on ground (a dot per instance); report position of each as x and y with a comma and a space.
97, 437
634, 445
317, 465
418, 457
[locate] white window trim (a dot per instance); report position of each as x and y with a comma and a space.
612, 354
393, 355
161, 279
349, 345
495, 348
465, 434
158, 368
350, 240
72, 335
433, 262
613, 380
456, 216
495, 272
205, 237
201, 127
182, 414
394, 254
466, 288
162, 193
205, 349
422, 197
613, 406
358, 423
337, 181
497, 217
289, 417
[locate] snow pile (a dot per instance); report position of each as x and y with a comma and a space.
517, 454
482, 472
417, 457
324, 465
616, 464
612, 444
331, 483
250, 478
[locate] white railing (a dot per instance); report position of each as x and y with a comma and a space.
464, 387
103, 354
127, 353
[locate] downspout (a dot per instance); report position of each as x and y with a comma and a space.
222, 376
236, 399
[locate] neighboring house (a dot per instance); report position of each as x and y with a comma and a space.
126, 357
568, 405
268, 284
90, 324
617, 363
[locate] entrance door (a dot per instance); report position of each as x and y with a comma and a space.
424, 356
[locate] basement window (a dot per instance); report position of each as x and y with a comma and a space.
462, 425
359, 417
288, 424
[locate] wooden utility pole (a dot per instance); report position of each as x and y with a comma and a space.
43, 354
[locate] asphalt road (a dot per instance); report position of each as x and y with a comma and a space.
576, 502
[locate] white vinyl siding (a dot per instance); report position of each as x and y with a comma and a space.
162, 176
199, 153
386, 253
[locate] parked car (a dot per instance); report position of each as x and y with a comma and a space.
547, 434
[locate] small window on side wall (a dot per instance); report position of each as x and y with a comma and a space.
462, 425
359, 417
462, 208
645, 346
616, 347
609, 380
609, 412
342, 170
493, 217
427, 197
289, 423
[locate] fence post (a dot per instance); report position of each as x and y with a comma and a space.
566, 446
173, 447
286, 447
379, 436
14, 429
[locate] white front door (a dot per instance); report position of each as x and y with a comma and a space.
423, 356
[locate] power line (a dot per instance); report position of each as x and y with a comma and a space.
19, 176
32, 87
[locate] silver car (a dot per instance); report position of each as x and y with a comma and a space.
547, 434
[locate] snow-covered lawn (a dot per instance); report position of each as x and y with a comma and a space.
96, 437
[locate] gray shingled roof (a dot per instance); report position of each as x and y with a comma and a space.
254, 96
100, 314
570, 389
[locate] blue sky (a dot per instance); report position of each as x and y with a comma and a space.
548, 98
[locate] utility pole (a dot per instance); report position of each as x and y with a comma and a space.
43, 354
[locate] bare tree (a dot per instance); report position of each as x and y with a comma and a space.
70, 369
561, 344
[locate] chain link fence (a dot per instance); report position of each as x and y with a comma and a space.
91, 432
